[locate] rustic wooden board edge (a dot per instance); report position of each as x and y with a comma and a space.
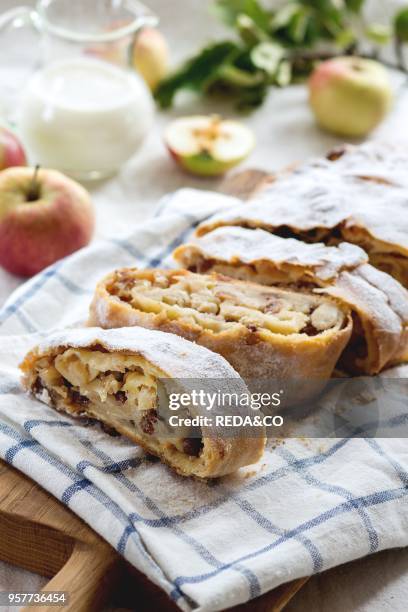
79, 561
49, 539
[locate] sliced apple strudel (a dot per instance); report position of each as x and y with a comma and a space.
120, 378
317, 203
263, 332
379, 302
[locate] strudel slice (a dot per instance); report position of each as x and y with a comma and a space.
379, 303
317, 203
121, 378
263, 332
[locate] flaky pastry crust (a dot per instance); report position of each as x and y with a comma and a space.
355, 195
116, 377
262, 332
379, 302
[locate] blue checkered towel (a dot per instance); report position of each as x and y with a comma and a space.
307, 506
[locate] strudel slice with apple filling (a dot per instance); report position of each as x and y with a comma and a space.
317, 203
121, 377
263, 332
379, 303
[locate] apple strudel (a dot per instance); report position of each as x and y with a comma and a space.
379, 303
263, 332
325, 202
119, 378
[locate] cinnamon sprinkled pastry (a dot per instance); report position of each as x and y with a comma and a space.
118, 377
379, 302
263, 332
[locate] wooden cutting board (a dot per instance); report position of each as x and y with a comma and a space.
39, 534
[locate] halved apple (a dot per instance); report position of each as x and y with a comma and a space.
208, 145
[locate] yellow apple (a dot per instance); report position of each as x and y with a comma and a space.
350, 95
150, 56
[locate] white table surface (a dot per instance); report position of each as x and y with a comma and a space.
285, 133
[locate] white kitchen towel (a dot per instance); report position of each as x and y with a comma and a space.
307, 506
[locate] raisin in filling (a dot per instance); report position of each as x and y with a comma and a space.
120, 396
215, 302
77, 398
310, 330
38, 386
148, 421
192, 446
106, 386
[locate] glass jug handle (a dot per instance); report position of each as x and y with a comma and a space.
17, 17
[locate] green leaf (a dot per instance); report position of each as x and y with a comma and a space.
231, 75
229, 10
196, 73
248, 99
284, 74
378, 33
298, 26
266, 56
354, 5
250, 33
284, 16
401, 25
327, 19
345, 38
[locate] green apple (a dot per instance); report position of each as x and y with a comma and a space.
350, 95
208, 145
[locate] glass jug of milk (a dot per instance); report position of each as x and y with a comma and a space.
85, 111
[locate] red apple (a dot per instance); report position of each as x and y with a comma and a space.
11, 151
44, 216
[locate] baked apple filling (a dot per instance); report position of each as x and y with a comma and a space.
119, 389
218, 303
147, 385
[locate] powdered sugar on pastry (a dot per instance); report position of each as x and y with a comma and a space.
124, 377
379, 302
232, 245
174, 355
354, 196
373, 160
317, 198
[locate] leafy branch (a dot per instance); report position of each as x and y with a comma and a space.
279, 47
